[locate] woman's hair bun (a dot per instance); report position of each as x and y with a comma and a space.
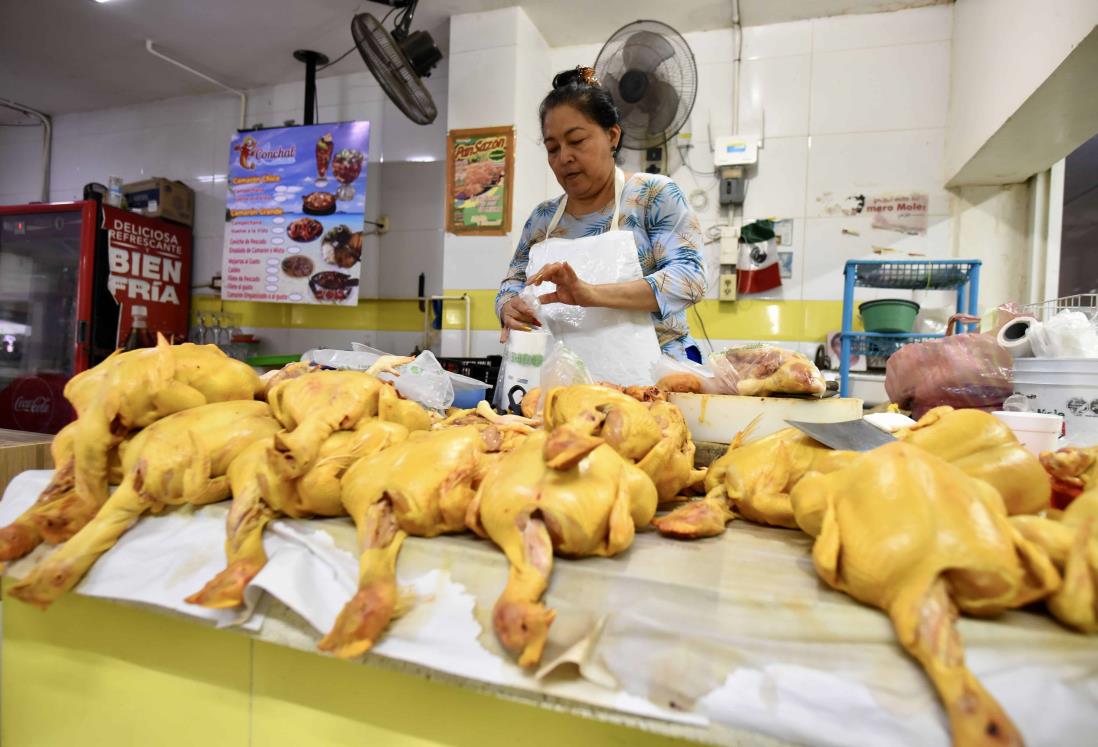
580, 75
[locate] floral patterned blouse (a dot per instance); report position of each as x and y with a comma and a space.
669, 243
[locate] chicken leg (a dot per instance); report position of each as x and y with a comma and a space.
182, 459
260, 494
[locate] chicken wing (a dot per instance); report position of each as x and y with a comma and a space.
531, 510
180, 459
1072, 544
987, 449
423, 487
125, 392
1073, 471
261, 494
313, 406
912, 534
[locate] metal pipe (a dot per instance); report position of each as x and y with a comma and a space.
47, 140
243, 96
737, 29
1055, 229
1038, 227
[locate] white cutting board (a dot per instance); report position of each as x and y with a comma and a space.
719, 417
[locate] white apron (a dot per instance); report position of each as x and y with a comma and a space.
618, 345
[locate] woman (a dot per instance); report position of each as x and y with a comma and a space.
582, 134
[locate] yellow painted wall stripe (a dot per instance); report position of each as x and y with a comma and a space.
724, 320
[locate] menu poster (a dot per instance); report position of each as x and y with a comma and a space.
150, 266
296, 210
479, 172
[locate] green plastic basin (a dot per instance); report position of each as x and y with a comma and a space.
889, 315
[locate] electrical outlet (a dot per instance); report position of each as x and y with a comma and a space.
730, 245
215, 282
382, 225
727, 287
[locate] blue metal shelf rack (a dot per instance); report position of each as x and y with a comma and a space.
961, 275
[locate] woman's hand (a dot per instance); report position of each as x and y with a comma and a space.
570, 288
517, 314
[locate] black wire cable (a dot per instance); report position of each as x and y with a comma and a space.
352, 49
705, 333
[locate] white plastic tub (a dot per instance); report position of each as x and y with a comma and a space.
1037, 432
1062, 386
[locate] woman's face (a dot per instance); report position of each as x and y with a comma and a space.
581, 152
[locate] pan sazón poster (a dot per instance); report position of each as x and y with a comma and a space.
479, 177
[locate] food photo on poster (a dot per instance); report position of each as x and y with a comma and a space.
296, 210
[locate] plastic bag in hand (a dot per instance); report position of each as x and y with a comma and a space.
962, 371
761, 370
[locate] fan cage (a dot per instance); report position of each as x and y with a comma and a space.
392, 69
679, 70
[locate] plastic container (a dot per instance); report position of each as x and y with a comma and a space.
1037, 431
1062, 386
889, 315
466, 396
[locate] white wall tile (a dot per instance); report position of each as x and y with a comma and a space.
774, 96
477, 31
406, 254
884, 88
777, 40
412, 194
482, 88
404, 140
712, 46
875, 163
882, 29
476, 262
484, 342
714, 101
828, 247
776, 185
566, 58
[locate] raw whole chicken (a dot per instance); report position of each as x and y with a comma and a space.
125, 392
1072, 544
260, 494
179, 459
271, 379
758, 372
650, 433
531, 510
912, 534
1073, 471
313, 406
45, 520
753, 481
423, 487
987, 449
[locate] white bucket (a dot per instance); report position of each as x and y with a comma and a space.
1036, 431
1062, 386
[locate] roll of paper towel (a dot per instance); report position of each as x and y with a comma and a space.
1015, 336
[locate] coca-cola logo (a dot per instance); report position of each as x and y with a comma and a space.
33, 406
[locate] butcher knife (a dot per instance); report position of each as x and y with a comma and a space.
846, 435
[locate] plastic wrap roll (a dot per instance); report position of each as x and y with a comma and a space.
1015, 336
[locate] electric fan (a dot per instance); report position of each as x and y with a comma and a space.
649, 70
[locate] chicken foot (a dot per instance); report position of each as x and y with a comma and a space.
520, 619
925, 625
364, 618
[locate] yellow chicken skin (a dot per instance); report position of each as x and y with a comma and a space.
260, 494
1073, 471
132, 390
531, 510
754, 481
35, 525
913, 535
1072, 544
314, 405
180, 459
582, 417
635, 421
985, 448
423, 487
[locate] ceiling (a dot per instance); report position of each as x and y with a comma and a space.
96, 58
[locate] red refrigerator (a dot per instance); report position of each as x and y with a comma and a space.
70, 275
